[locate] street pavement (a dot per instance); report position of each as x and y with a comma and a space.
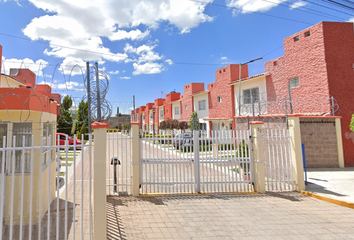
258, 216
334, 183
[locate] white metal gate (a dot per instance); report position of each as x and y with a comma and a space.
48, 187
119, 173
279, 175
216, 161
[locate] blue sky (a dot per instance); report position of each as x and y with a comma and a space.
152, 47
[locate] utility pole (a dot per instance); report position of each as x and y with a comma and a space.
239, 85
88, 95
98, 94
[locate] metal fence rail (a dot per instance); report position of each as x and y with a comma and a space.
44, 203
218, 161
119, 172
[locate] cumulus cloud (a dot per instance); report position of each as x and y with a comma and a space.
147, 68
248, 6
35, 66
114, 72
125, 78
74, 86
75, 29
298, 4
223, 58
169, 61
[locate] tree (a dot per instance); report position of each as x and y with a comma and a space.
194, 121
351, 126
65, 119
82, 124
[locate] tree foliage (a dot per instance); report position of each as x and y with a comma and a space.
351, 126
82, 125
194, 121
65, 119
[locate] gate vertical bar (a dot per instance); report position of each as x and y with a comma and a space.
196, 161
99, 194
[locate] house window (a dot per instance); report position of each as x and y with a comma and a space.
151, 115
296, 38
250, 95
201, 105
47, 135
161, 113
219, 99
203, 126
21, 130
224, 70
275, 63
307, 34
185, 106
294, 82
176, 110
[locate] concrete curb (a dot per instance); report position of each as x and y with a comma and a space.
194, 194
330, 200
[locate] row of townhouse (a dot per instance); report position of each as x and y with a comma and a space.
314, 77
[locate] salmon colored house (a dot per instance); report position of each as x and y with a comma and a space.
27, 110
318, 63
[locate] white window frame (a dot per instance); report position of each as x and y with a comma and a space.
177, 110
219, 99
202, 105
254, 92
294, 82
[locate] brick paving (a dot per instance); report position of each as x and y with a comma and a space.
269, 216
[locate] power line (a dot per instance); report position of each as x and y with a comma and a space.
259, 13
308, 10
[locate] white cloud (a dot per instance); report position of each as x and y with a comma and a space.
125, 78
223, 58
35, 66
73, 66
82, 25
74, 86
147, 68
133, 35
114, 72
169, 61
248, 6
298, 4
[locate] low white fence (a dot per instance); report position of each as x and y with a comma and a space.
45, 189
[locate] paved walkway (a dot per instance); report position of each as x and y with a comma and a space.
335, 183
270, 216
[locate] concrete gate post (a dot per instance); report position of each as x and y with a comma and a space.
296, 152
135, 152
258, 156
99, 180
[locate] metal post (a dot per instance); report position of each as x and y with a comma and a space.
332, 102
88, 96
134, 119
196, 161
253, 116
115, 177
98, 94
153, 126
286, 106
239, 91
290, 102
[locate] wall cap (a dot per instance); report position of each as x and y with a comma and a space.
321, 117
135, 123
256, 122
97, 125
